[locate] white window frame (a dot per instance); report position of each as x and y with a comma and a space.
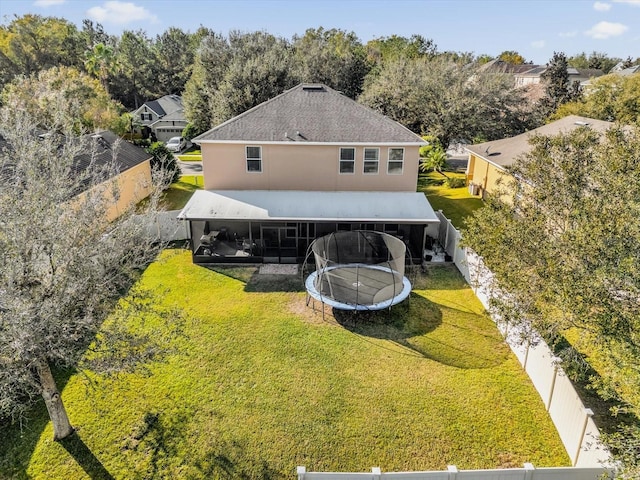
252, 159
340, 161
365, 161
389, 161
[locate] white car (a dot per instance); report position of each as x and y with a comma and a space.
176, 144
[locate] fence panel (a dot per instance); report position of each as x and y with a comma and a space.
578, 432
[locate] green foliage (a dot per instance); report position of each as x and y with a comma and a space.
595, 60
191, 131
512, 57
563, 241
447, 99
333, 57
456, 182
163, 160
558, 90
68, 95
401, 390
611, 97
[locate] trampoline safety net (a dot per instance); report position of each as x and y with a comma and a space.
359, 270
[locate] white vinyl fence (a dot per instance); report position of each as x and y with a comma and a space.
165, 226
572, 419
529, 472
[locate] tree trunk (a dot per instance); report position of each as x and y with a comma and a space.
61, 426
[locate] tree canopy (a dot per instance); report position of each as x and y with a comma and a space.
64, 266
563, 242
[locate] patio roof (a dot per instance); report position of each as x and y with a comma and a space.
295, 206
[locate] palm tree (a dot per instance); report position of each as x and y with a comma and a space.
100, 62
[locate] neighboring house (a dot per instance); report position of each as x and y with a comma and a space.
534, 74
308, 162
133, 176
160, 119
488, 161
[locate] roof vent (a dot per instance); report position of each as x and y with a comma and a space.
581, 123
313, 88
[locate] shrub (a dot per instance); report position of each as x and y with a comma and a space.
456, 182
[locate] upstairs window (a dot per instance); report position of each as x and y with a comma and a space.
371, 160
396, 161
347, 160
254, 159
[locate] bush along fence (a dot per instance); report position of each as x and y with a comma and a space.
572, 419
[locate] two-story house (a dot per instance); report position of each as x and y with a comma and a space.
160, 119
308, 162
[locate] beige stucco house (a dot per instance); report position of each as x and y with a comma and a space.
308, 162
130, 182
488, 161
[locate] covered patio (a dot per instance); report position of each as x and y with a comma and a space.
267, 226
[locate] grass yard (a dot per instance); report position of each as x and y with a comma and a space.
261, 383
455, 203
193, 154
179, 193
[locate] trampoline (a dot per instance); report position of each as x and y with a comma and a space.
358, 270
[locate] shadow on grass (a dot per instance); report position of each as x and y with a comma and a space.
19, 440
159, 437
85, 458
417, 326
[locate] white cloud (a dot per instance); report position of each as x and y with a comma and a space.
48, 3
120, 13
604, 30
602, 7
568, 34
538, 44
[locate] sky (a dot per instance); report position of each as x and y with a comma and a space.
534, 28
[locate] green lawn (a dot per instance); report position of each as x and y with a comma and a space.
455, 203
261, 383
193, 154
179, 193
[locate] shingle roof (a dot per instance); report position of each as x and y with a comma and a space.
504, 152
127, 154
164, 105
311, 113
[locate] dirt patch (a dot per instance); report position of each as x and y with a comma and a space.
310, 313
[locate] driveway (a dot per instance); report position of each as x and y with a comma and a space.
190, 168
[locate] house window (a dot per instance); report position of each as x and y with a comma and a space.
254, 159
347, 160
396, 161
371, 158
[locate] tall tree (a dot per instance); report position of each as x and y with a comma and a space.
556, 80
32, 43
447, 99
563, 243
64, 94
100, 62
261, 68
174, 52
212, 60
64, 266
333, 57
611, 97
136, 78
512, 57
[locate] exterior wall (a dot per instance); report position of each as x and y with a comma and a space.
303, 167
132, 186
483, 173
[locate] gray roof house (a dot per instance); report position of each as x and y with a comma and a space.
303, 164
488, 161
162, 118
